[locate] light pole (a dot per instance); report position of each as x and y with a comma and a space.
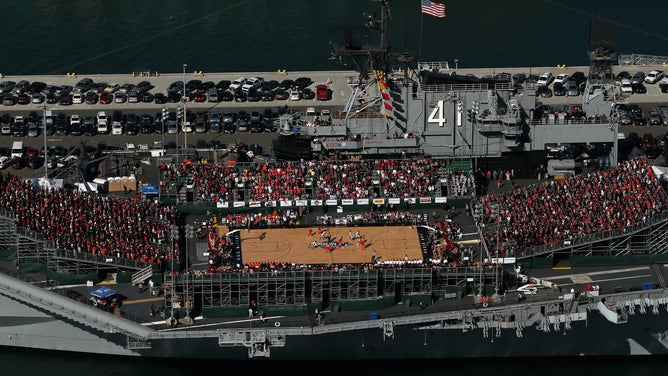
46, 154
165, 114
189, 234
185, 99
174, 235
474, 114
497, 212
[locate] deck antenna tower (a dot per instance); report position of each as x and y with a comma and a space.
600, 93
372, 61
368, 57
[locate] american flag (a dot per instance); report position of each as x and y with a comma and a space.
433, 9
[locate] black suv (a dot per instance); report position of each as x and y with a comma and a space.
638, 78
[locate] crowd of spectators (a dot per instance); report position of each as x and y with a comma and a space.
275, 218
275, 180
83, 222
548, 213
522, 218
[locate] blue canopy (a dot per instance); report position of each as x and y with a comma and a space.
149, 189
103, 292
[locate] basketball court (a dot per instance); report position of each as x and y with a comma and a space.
334, 246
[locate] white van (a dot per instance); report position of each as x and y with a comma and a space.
17, 149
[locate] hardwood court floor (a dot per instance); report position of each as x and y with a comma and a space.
295, 245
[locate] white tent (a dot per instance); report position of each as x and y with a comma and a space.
660, 172
47, 182
87, 187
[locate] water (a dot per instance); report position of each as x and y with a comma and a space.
121, 36
21, 363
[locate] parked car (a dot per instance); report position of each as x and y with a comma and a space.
105, 97
663, 111
23, 98
638, 77
625, 119
76, 128
638, 118
308, 93
146, 124
132, 124
91, 97
242, 122
654, 118
20, 87
77, 98
572, 89
252, 83
133, 96
561, 78
663, 85
172, 126
295, 94
322, 93
147, 97
19, 129
6, 124
654, 76
89, 126
200, 122
638, 88
558, 89
544, 91
5, 162
8, 99
102, 122
33, 129
237, 83
648, 140
545, 79
623, 75
626, 86
159, 98
120, 97
7, 86
37, 98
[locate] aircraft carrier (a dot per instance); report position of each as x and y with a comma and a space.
595, 298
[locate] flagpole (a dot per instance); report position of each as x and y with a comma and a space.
420, 43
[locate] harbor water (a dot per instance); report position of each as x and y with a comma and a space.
122, 36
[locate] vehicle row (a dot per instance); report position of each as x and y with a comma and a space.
633, 114
118, 122
650, 144
254, 89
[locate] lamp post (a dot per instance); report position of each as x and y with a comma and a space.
497, 212
185, 99
456, 64
165, 114
46, 154
474, 114
189, 234
174, 235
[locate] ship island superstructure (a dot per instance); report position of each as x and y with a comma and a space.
397, 108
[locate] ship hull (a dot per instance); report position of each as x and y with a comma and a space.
22, 326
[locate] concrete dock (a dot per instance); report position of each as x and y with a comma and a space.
338, 84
